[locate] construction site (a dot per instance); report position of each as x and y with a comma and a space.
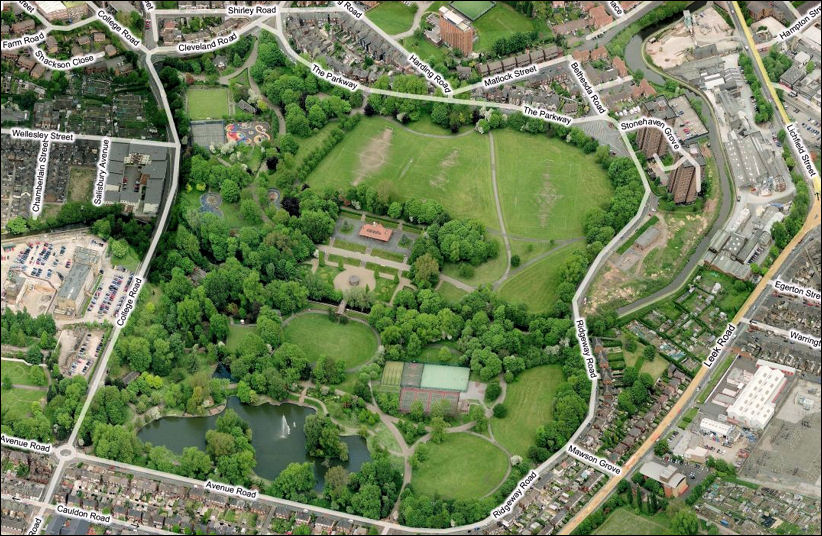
699, 35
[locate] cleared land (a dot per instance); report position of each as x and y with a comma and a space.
530, 403
545, 185
454, 172
80, 181
451, 468
501, 21
536, 285
623, 521
392, 17
319, 336
207, 103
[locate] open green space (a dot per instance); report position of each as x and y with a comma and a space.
433, 353
319, 336
80, 183
487, 272
501, 21
131, 260
16, 403
655, 368
624, 521
454, 172
211, 103
472, 10
450, 469
423, 48
231, 211
545, 185
450, 292
236, 333
385, 289
536, 285
644, 227
18, 373
350, 246
392, 17
530, 403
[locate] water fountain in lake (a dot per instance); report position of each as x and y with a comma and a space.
285, 430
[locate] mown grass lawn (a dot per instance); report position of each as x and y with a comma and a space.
450, 292
501, 21
623, 521
17, 372
392, 17
236, 333
16, 403
530, 403
455, 172
451, 469
545, 185
536, 285
352, 343
487, 272
211, 103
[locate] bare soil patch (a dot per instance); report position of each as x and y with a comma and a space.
449, 162
366, 278
375, 155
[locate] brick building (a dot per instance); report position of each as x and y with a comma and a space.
651, 141
456, 30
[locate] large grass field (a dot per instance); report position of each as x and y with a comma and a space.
487, 272
450, 292
352, 343
472, 10
209, 103
545, 185
392, 17
501, 21
536, 285
623, 521
18, 373
16, 403
455, 172
451, 468
530, 403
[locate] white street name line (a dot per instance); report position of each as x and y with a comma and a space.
588, 88
616, 9
118, 28
581, 331
207, 46
800, 23
801, 151
65, 65
35, 525
86, 515
249, 11
24, 40
547, 115
508, 76
652, 122
430, 73
808, 340
797, 290
334, 78
102, 173
45, 137
352, 9
148, 6
600, 463
227, 489
28, 6
719, 346
131, 301
516, 495
25, 444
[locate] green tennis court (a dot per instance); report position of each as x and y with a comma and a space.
445, 377
472, 10
392, 374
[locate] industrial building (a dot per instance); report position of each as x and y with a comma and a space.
756, 404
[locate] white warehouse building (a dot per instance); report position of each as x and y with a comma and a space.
755, 405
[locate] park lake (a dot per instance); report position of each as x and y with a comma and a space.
277, 437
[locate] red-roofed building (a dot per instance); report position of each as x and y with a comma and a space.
620, 66
644, 89
599, 53
581, 56
376, 231
600, 16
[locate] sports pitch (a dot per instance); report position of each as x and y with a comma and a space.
392, 374
445, 377
472, 10
207, 103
